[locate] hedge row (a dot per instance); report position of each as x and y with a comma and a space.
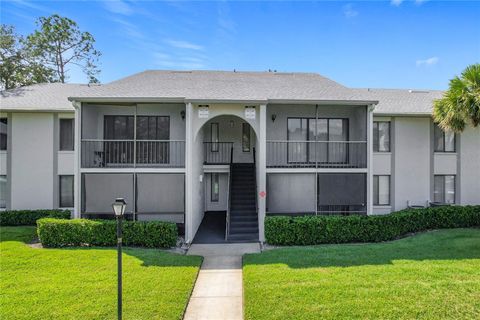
84, 232
30, 217
310, 230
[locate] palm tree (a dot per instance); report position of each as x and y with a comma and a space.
460, 105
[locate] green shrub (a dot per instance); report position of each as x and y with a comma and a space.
84, 232
30, 217
309, 230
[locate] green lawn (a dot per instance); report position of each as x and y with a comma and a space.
434, 275
80, 283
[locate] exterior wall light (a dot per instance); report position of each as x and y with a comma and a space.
274, 116
182, 114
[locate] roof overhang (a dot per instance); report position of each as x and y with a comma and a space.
224, 101
406, 114
126, 99
31, 110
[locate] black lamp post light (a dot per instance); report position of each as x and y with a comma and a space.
119, 209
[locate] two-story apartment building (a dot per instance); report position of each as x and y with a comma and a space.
179, 144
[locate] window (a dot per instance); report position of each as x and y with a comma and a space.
150, 129
3, 191
215, 187
118, 127
329, 133
66, 134
381, 190
153, 127
444, 141
444, 188
245, 137
214, 136
66, 191
3, 133
381, 136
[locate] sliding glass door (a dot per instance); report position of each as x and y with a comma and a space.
118, 133
317, 140
297, 140
152, 145
153, 133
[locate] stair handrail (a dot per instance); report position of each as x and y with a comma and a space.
255, 178
229, 191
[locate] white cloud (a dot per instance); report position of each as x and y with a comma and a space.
118, 7
427, 62
397, 3
183, 44
31, 5
349, 12
166, 61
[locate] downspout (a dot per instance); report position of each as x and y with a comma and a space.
316, 160
135, 164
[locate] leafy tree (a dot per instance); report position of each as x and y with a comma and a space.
16, 67
59, 43
460, 105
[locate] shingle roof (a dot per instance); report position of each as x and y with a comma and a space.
224, 86
218, 85
42, 97
402, 101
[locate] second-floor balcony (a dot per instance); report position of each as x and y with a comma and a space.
316, 154
101, 153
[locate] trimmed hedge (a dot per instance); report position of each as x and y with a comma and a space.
30, 217
310, 230
84, 232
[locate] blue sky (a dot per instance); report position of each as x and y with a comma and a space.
386, 44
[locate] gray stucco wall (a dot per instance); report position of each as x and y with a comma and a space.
470, 166
93, 117
277, 130
222, 203
32, 161
227, 133
412, 161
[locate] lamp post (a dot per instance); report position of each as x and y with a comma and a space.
119, 209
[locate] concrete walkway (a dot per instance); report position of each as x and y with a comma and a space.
218, 292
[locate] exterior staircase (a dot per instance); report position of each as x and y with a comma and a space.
243, 225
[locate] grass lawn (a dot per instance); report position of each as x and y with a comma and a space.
435, 275
81, 283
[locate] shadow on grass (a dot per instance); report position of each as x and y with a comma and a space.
452, 244
149, 257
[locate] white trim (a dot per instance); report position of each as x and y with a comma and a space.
132, 170
220, 168
77, 180
370, 159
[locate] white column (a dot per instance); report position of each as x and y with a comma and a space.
77, 186
369, 159
262, 169
188, 173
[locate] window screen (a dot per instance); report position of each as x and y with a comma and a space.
66, 191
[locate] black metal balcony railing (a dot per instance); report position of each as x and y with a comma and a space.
217, 152
321, 154
130, 153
